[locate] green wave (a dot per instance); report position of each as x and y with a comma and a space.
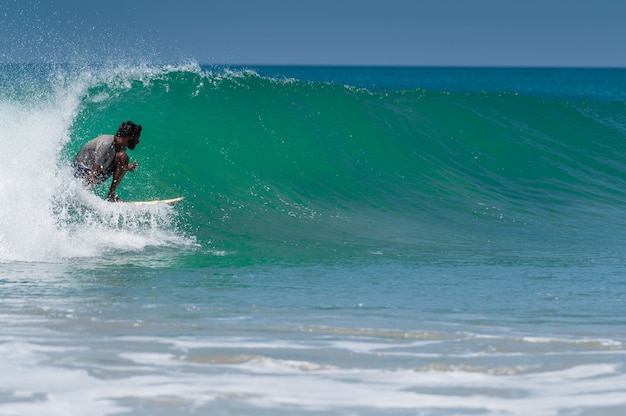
296, 165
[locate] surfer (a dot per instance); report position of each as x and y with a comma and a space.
106, 156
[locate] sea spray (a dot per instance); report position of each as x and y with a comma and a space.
46, 214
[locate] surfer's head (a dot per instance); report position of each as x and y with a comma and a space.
130, 130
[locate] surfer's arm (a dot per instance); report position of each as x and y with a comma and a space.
121, 166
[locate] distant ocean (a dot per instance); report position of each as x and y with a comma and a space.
353, 241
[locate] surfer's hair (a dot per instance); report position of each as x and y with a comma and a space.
128, 129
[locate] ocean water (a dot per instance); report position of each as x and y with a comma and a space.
353, 241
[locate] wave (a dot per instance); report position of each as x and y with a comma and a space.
288, 168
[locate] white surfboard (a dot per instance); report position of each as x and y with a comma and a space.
171, 201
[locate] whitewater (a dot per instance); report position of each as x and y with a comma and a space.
353, 240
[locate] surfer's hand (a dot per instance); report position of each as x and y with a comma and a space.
114, 198
132, 167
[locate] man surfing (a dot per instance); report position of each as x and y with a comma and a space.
106, 156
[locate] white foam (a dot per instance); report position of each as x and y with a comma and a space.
152, 373
607, 343
44, 215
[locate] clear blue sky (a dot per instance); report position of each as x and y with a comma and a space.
320, 32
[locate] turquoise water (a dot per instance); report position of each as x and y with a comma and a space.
431, 241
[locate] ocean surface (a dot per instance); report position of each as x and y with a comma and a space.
353, 241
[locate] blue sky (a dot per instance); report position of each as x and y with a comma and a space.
319, 32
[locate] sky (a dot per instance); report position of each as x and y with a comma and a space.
545, 33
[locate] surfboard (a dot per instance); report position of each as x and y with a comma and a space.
171, 201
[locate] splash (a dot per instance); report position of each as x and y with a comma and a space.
46, 215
